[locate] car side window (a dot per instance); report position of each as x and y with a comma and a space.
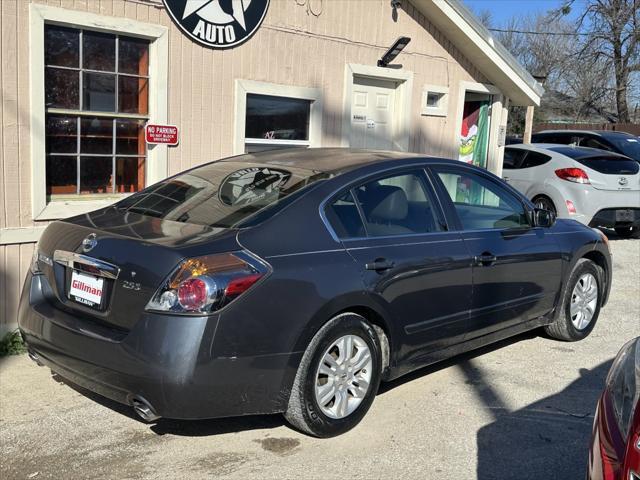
594, 143
513, 158
344, 217
535, 159
481, 203
397, 205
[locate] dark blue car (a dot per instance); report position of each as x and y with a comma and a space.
296, 281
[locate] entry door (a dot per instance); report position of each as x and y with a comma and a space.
372, 113
516, 267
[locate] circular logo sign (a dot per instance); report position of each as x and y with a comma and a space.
251, 185
218, 23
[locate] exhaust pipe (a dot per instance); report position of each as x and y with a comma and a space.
34, 356
144, 410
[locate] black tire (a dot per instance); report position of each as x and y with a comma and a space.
563, 328
544, 202
628, 231
303, 411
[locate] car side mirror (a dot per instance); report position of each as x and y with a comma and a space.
543, 218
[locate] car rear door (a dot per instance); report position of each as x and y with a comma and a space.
393, 227
516, 267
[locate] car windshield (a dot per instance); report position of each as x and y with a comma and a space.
221, 194
630, 146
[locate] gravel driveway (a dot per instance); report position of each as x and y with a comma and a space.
520, 409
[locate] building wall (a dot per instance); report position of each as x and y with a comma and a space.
301, 43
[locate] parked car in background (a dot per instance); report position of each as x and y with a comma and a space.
296, 280
615, 442
617, 142
597, 188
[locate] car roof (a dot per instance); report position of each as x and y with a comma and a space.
570, 151
602, 133
326, 160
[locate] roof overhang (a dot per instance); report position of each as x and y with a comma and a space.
462, 28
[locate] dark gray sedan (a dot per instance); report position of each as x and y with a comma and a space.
295, 281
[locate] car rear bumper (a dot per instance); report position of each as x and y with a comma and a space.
613, 217
168, 361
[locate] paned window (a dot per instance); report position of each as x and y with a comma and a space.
97, 103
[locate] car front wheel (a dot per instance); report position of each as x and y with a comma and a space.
581, 303
337, 379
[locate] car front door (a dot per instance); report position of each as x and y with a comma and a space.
516, 266
418, 271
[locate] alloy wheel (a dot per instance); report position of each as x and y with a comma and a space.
584, 300
544, 204
343, 376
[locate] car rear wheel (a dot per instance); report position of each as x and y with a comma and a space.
337, 379
628, 231
545, 203
581, 303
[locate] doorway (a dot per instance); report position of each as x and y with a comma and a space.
376, 107
373, 106
475, 129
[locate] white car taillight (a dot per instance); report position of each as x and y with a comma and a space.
575, 175
203, 285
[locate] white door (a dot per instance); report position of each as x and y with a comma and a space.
372, 113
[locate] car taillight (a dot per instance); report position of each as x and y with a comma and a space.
571, 208
623, 385
632, 458
576, 175
205, 284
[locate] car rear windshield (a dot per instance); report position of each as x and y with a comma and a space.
630, 146
611, 165
222, 194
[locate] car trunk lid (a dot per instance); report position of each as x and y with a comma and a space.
111, 277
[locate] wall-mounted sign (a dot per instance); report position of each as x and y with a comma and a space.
161, 134
218, 23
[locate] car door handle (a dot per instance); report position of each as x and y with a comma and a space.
485, 260
506, 179
379, 265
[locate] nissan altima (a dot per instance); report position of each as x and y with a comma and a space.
295, 281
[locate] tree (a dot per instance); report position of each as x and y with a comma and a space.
612, 34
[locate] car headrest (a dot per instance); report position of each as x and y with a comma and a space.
387, 203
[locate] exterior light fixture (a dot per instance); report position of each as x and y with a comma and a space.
394, 51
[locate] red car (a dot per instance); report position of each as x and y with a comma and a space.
615, 443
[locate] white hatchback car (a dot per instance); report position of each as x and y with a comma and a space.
595, 187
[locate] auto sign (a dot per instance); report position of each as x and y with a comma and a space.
218, 24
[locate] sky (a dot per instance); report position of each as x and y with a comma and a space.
503, 10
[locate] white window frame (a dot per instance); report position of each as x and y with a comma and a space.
244, 87
156, 163
442, 109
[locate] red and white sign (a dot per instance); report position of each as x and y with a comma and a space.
161, 134
86, 288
